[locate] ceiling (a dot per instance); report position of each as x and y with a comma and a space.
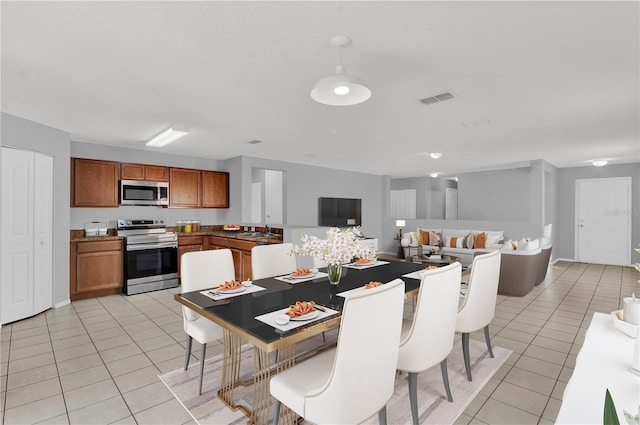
557, 81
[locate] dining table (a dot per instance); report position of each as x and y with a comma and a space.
248, 316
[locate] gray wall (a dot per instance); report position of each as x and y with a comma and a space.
29, 135
495, 195
430, 194
79, 216
305, 184
567, 197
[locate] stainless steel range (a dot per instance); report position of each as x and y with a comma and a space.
151, 258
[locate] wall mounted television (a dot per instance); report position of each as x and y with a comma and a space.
339, 212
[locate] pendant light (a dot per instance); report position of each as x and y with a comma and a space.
341, 89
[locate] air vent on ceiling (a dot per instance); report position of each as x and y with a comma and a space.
254, 142
437, 98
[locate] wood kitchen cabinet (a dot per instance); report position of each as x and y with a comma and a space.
241, 251
185, 188
94, 183
215, 189
144, 172
189, 244
96, 268
217, 242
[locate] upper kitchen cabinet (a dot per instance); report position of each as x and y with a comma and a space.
144, 172
215, 189
94, 183
185, 188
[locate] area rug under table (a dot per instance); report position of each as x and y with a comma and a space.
433, 405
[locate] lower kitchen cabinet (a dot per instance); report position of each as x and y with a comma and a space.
189, 244
241, 251
96, 268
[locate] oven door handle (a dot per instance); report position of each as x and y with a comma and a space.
143, 247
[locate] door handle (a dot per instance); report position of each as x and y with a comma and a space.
582, 225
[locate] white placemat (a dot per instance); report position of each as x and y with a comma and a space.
414, 275
270, 318
292, 281
218, 296
366, 266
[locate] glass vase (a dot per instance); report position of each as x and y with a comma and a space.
335, 273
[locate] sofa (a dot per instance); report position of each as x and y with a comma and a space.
545, 247
462, 243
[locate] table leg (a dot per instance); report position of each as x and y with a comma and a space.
230, 367
261, 395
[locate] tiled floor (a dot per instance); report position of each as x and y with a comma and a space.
98, 360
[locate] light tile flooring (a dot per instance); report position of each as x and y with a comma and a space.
98, 360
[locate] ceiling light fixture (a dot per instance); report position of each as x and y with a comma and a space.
166, 137
436, 155
600, 162
341, 89
434, 175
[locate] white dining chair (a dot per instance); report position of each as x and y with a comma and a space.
353, 381
272, 260
479, 305
202, 270
428, 339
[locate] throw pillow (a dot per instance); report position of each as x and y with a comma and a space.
479, 240
514, 244
490, 242
454, 242
434, 238
425, 237
468, 241
419, 237
414, 238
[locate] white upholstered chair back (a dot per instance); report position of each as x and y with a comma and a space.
204, 269
478, 307
430, 337
362, 379
272, 260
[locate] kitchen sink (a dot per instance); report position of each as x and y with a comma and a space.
258, 234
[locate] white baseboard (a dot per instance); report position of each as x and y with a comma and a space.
62, 303
570, 260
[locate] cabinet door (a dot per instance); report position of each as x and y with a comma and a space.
132, 171
187, 248
215, 189
96, 266
94, 183
237, 262
184, 188
246, 265
156, 173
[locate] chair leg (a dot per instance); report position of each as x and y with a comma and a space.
445, 378
276, 411
413, 396
202, 354
487, 338
186, 360
324, 338
382, 415
465, 353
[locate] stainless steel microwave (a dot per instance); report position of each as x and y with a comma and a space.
138, 192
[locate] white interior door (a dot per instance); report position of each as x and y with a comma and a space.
42, 233
274, 204
17, 235
603, 219
26, 279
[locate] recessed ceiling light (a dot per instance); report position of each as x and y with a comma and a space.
166, 137
436, 155
600, 162
434, 175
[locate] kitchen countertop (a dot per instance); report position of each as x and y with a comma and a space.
78, 235
232, 235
